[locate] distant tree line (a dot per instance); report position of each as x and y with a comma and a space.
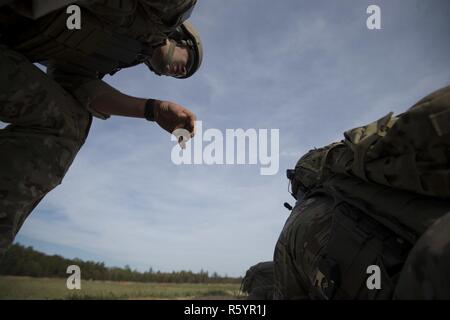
25, 261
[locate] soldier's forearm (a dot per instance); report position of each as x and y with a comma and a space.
119, 104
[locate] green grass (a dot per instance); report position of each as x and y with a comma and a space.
44, 288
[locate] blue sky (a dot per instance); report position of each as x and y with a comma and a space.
309, 68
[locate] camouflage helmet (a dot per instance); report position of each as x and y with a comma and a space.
185, 36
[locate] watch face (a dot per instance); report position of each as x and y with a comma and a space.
150, 109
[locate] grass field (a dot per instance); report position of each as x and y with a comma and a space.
44, 288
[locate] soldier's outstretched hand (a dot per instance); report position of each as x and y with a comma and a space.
171, 116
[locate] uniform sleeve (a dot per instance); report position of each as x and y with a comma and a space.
84, 85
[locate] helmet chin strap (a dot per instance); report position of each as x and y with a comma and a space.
171, 52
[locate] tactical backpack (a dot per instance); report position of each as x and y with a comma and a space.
390, 181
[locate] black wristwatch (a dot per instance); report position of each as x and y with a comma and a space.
150, 109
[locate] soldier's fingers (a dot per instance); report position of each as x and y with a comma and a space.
190, 124
190, 127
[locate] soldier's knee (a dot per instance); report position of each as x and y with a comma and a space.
30, 99
75, 124
64, 120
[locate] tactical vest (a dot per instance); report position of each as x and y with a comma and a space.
112, 37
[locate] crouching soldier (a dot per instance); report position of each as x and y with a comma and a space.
49, 114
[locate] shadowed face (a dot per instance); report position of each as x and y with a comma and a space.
175, 66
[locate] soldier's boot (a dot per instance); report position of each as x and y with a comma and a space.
47, 127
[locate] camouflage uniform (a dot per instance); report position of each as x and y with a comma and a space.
48, 114
426, 272
47, 129
379, 198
